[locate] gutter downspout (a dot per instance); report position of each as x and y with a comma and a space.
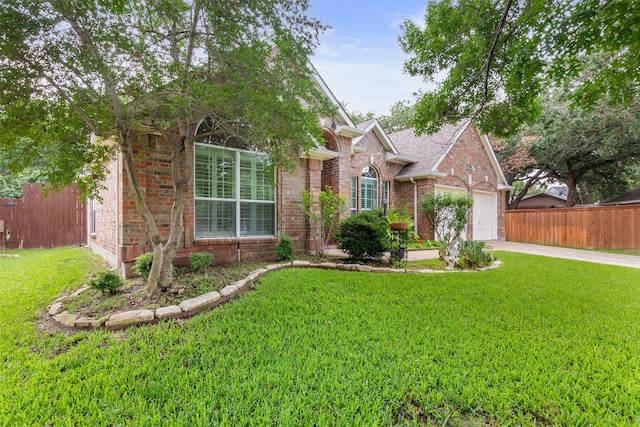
415, 204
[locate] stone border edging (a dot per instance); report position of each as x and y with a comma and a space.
187, 308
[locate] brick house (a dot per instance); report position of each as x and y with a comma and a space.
238, 204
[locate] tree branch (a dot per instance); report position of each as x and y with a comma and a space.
492, 51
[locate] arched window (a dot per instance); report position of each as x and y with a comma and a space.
368, 189
234, 188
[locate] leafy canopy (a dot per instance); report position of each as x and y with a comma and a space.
497, 57
119, 68
595, 152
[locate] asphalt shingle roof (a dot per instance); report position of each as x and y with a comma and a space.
427, 149
631, 196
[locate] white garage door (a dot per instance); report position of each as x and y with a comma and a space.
485, 216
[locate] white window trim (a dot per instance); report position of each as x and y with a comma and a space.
237, 200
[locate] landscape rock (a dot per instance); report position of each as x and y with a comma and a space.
56, 308
88, 323
229, 290
169, 312
79, 291
129, 318
327, 264
256, 274
66, 319
199, 303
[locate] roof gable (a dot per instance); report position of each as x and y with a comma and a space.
374, 126
431, 150
428, 150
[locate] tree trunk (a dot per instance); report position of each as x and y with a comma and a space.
181, 178
571, 185
151, 230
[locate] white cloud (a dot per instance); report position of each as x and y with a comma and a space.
361, 60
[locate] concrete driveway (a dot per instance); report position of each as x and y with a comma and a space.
576, 254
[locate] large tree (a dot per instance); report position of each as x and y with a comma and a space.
116, 69
490, 60
400, 117
594, 151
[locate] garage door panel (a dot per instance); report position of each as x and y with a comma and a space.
485, 216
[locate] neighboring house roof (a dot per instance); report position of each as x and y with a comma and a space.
558, 191
545, 196
630, 197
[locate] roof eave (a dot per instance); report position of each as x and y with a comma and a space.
400, 159
349, 131
502, 187
623, 202
431, 174
320, 154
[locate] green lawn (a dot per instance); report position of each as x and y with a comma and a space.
536, 342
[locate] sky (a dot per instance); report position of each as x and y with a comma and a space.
360, 58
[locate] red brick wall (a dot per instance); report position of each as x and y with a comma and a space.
331, 168
104, 240
153, 171
337, 172
468, 167
374, 155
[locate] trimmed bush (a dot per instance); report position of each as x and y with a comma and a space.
364, 235
142, 264
284, 247
200, 260
106, 282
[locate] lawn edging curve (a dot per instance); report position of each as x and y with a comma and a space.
61, 318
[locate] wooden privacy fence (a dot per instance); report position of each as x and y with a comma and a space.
600, 227
36, 222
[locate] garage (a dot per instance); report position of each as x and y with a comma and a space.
485, 212
485, 216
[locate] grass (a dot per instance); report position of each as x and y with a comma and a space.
423, 244
635, 252
538, 341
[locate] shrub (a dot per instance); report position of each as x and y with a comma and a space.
200, 260
284, 247
472, 254
106, 282
364, 235
449, 213
323, 215
142, 264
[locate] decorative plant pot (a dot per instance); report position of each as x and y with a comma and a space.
399, 226
399, 254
